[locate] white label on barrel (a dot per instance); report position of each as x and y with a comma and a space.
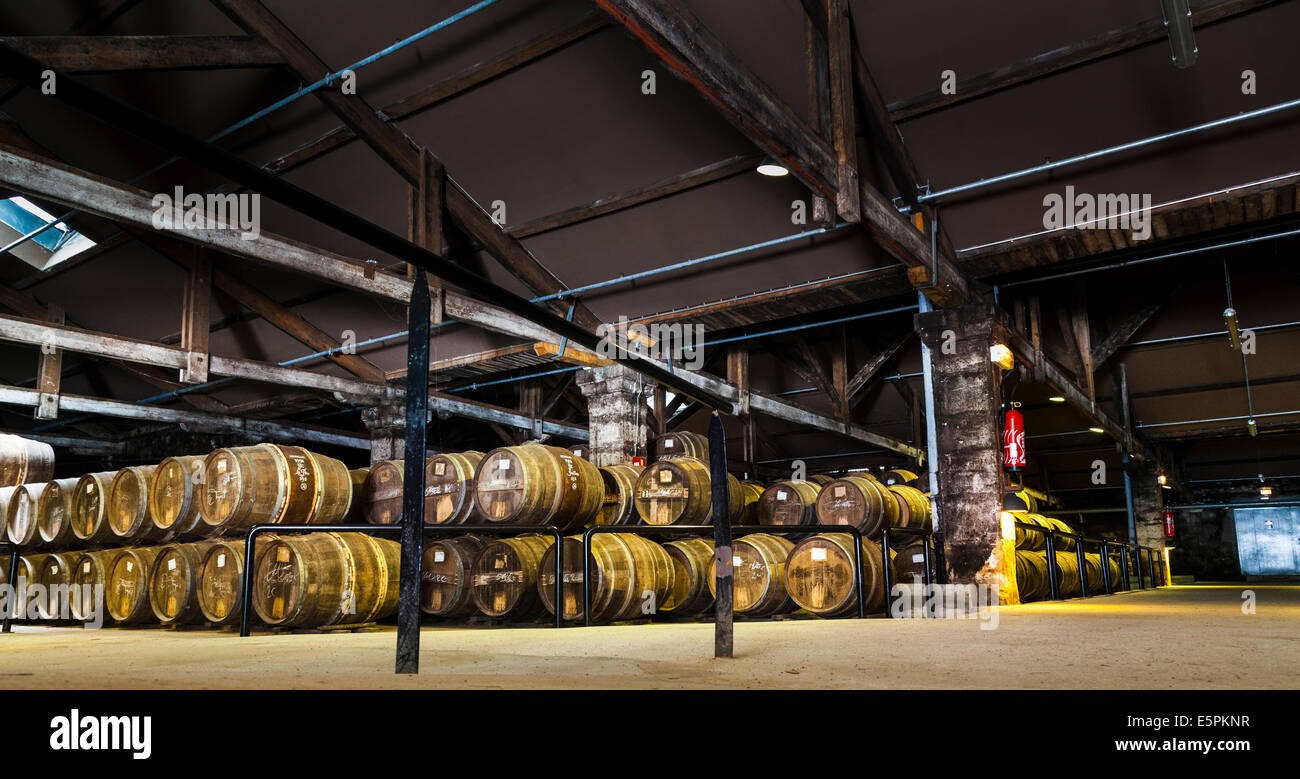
918, 558
129, 566
668, 444
839, 492
818, 553
500, 562
282, 554
439, 556
221, 560
54, 569
666, 477
735, 560
503, 464
90, 488
171, 564
221, 466
85, 567
439, 468
780, 494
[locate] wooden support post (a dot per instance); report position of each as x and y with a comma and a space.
50, 375
1082, 328
196, 319
840, 372
738, 374
819, 109
417, 419
661, 415
839, 37
425, 212
724, 602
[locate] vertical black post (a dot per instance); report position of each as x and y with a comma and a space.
1105, 566
1123, 565
1053, 583
1151, 562
885, 571
417, 418
12, 610
1137, 564
723, 603
1083, 568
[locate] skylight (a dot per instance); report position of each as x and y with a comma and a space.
52, 245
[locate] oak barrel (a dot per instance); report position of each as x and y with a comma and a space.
914, 507
750, 492
1036, 540
384, 492
28, 574
90, 575
618, 507
446, 575
126, 591
691, 594
505, 576
54, 513
221, 579
758, 575
682, 444
536, 484
326, 579
819, 574
20, 516
449, 488
54, 574
858, 501
360, 498
789, 503
899, 476
128, 507
23, 461
90, 508
175, 494
272, 484
174, 583
678, 491
909, 565
631, 577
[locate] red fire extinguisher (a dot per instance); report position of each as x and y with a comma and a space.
638, 461
1169, 524
1013, 440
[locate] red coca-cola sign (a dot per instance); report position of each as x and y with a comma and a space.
1013, 440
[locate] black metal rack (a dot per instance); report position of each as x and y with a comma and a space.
1104, 544
13, 582
395, 529
772, 529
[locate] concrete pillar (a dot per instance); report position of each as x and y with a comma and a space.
387, 426
969, 447
1148, 505
617, 414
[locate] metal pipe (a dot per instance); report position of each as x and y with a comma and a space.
1241, 478
687, 263
931, 430
1219, 419
1203, 336
933, 196
1144, 260
1255, 504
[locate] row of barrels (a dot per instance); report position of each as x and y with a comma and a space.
187, 497
1032, 575
634, 577
312, 580
23, 460
1035, 539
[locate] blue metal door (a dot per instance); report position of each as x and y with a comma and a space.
1268, 540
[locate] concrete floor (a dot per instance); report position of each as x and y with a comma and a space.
1179, 637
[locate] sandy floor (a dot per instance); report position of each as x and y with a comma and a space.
1179, 637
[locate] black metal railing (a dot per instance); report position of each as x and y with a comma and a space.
11, 609
1103, 544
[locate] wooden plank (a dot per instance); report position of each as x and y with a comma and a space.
50, 373
109, 53
99, 15
1065, 57
868, 371
1122, 331
844, 126
196, 318
819, 102
571, 356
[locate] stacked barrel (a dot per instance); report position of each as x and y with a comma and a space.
1032, 560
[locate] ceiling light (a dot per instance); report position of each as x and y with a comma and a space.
1163, 479
1265, 492
770, 168
1096, 430
1057, 399
1002, 356
1252, 426
1234, 332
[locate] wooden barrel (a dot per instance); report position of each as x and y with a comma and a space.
23, 461
90, 508
858, 501
1030, 539
750, 492
1067, 566
175, 494
789, 503
54, 513
90, 575
820, 479
631, 577
384, 492
758, 575
446, 575
682, 444
619, 507
899, 476
1031, 575
909, 564
20, 517
1095, 573
326, 579
174, 583
28, 573
914, 507
6, 496
221, 579
55, 575
819, 575
1019, 501
535, 484
449, 488
126, 592
128, 507
272, 484
360, 498
677, 491
505, 576
691, 594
